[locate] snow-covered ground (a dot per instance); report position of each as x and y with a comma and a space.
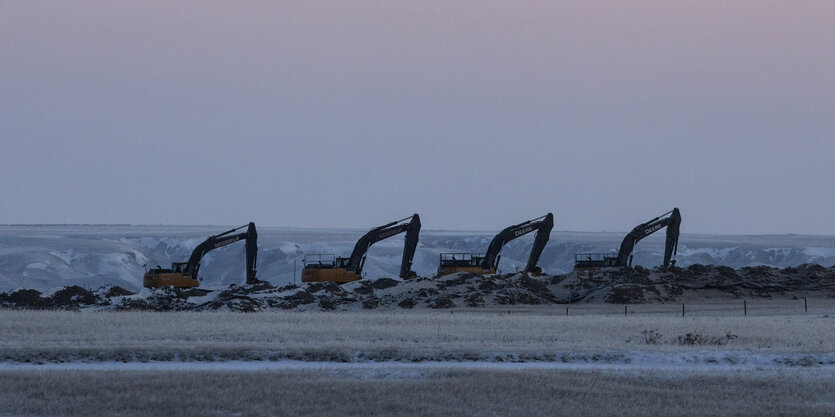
409, 390
44, 257
528, 362
635, 360
791, 336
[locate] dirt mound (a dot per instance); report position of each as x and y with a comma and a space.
383, 283
74, 295
67, 298
117, 291
608, 285
25, 299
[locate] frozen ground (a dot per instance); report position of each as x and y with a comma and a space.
787, 338
820, 364
695, 284
424, 392
44, 257
517, 361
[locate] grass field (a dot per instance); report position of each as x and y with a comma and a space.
430, 393
530, 334
518, 334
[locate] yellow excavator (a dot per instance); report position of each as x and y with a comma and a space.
184, 274
489, 262
329, 268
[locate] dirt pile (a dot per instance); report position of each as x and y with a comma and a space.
640, 285
609, 285
66, 298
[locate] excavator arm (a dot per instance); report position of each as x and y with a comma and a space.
542, 226
223, 239
409, 248
412, 229
671, 222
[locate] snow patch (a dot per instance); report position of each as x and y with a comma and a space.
636, 360
68, 256
716, 253
37, 265
817, 253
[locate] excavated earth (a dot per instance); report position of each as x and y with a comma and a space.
610, 285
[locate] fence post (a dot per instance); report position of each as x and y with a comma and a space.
682, 310
805, 305
566, 311
745, 307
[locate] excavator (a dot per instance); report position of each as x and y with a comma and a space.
184, 274
488, 262
329, 268
671, 220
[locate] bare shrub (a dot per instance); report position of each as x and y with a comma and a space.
651, 337
696, 339
54, 336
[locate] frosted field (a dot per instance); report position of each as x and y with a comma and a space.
420, 393
529, 361
534, 360
523, 335
45, 257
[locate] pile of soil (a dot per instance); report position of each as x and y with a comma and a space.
608, 285
66, 298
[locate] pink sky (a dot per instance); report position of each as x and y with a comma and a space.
602, 112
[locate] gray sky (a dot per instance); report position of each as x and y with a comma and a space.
475, 114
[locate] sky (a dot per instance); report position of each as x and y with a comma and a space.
475, 114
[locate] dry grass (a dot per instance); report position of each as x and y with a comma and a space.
398, 335
430, 393
404, 335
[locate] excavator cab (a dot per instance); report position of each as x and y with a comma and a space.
343, 262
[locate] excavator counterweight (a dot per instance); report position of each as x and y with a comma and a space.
184, 274
671, 220
488, 262
330, 268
